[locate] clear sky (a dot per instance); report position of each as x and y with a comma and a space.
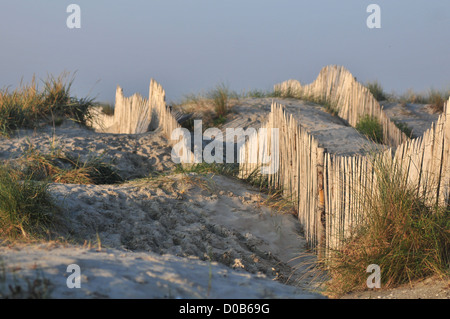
192, 45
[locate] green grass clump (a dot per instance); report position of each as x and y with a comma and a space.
25, 106
211, 107
435, 98
26, 208
403, 233
291, 93
209, 168
220, 96
58, 167
371, 128
277, 93
377, 90
257, 94
287, 94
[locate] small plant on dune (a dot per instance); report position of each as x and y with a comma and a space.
195, 107
25, 106
57, 99
26, 208
211, 107
331, 108
56, 93
257, 94
256, 179
275, 93
12, 117
37, 288
62, 168
100, 172
410, 97
437, 100
289, 93
377, 90
402, 233
20, 107
370, 127
220, 96
209, 168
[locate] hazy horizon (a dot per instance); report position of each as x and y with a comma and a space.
192, 46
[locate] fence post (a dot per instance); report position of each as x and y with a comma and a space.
320, 213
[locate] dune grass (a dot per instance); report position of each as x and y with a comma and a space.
257, 94
370, 127
292, 94
59, 167
435, 98
27, 105
26, 208
225, 169
220, 96
211, 107
404, 235
377, 90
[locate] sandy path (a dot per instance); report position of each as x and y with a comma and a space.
418, 117
161, 238
212, 218
331, 132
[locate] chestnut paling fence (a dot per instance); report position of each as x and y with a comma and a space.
336, 86
136, 115
328, 190
299, 157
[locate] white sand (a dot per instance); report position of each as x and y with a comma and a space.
330, 131
159, 236
418, 117
134, 156
143, 225
112, 273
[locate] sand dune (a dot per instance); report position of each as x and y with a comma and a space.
160, 235
177, 235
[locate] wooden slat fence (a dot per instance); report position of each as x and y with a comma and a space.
297, 172
136, 115
329, 191
336, 86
